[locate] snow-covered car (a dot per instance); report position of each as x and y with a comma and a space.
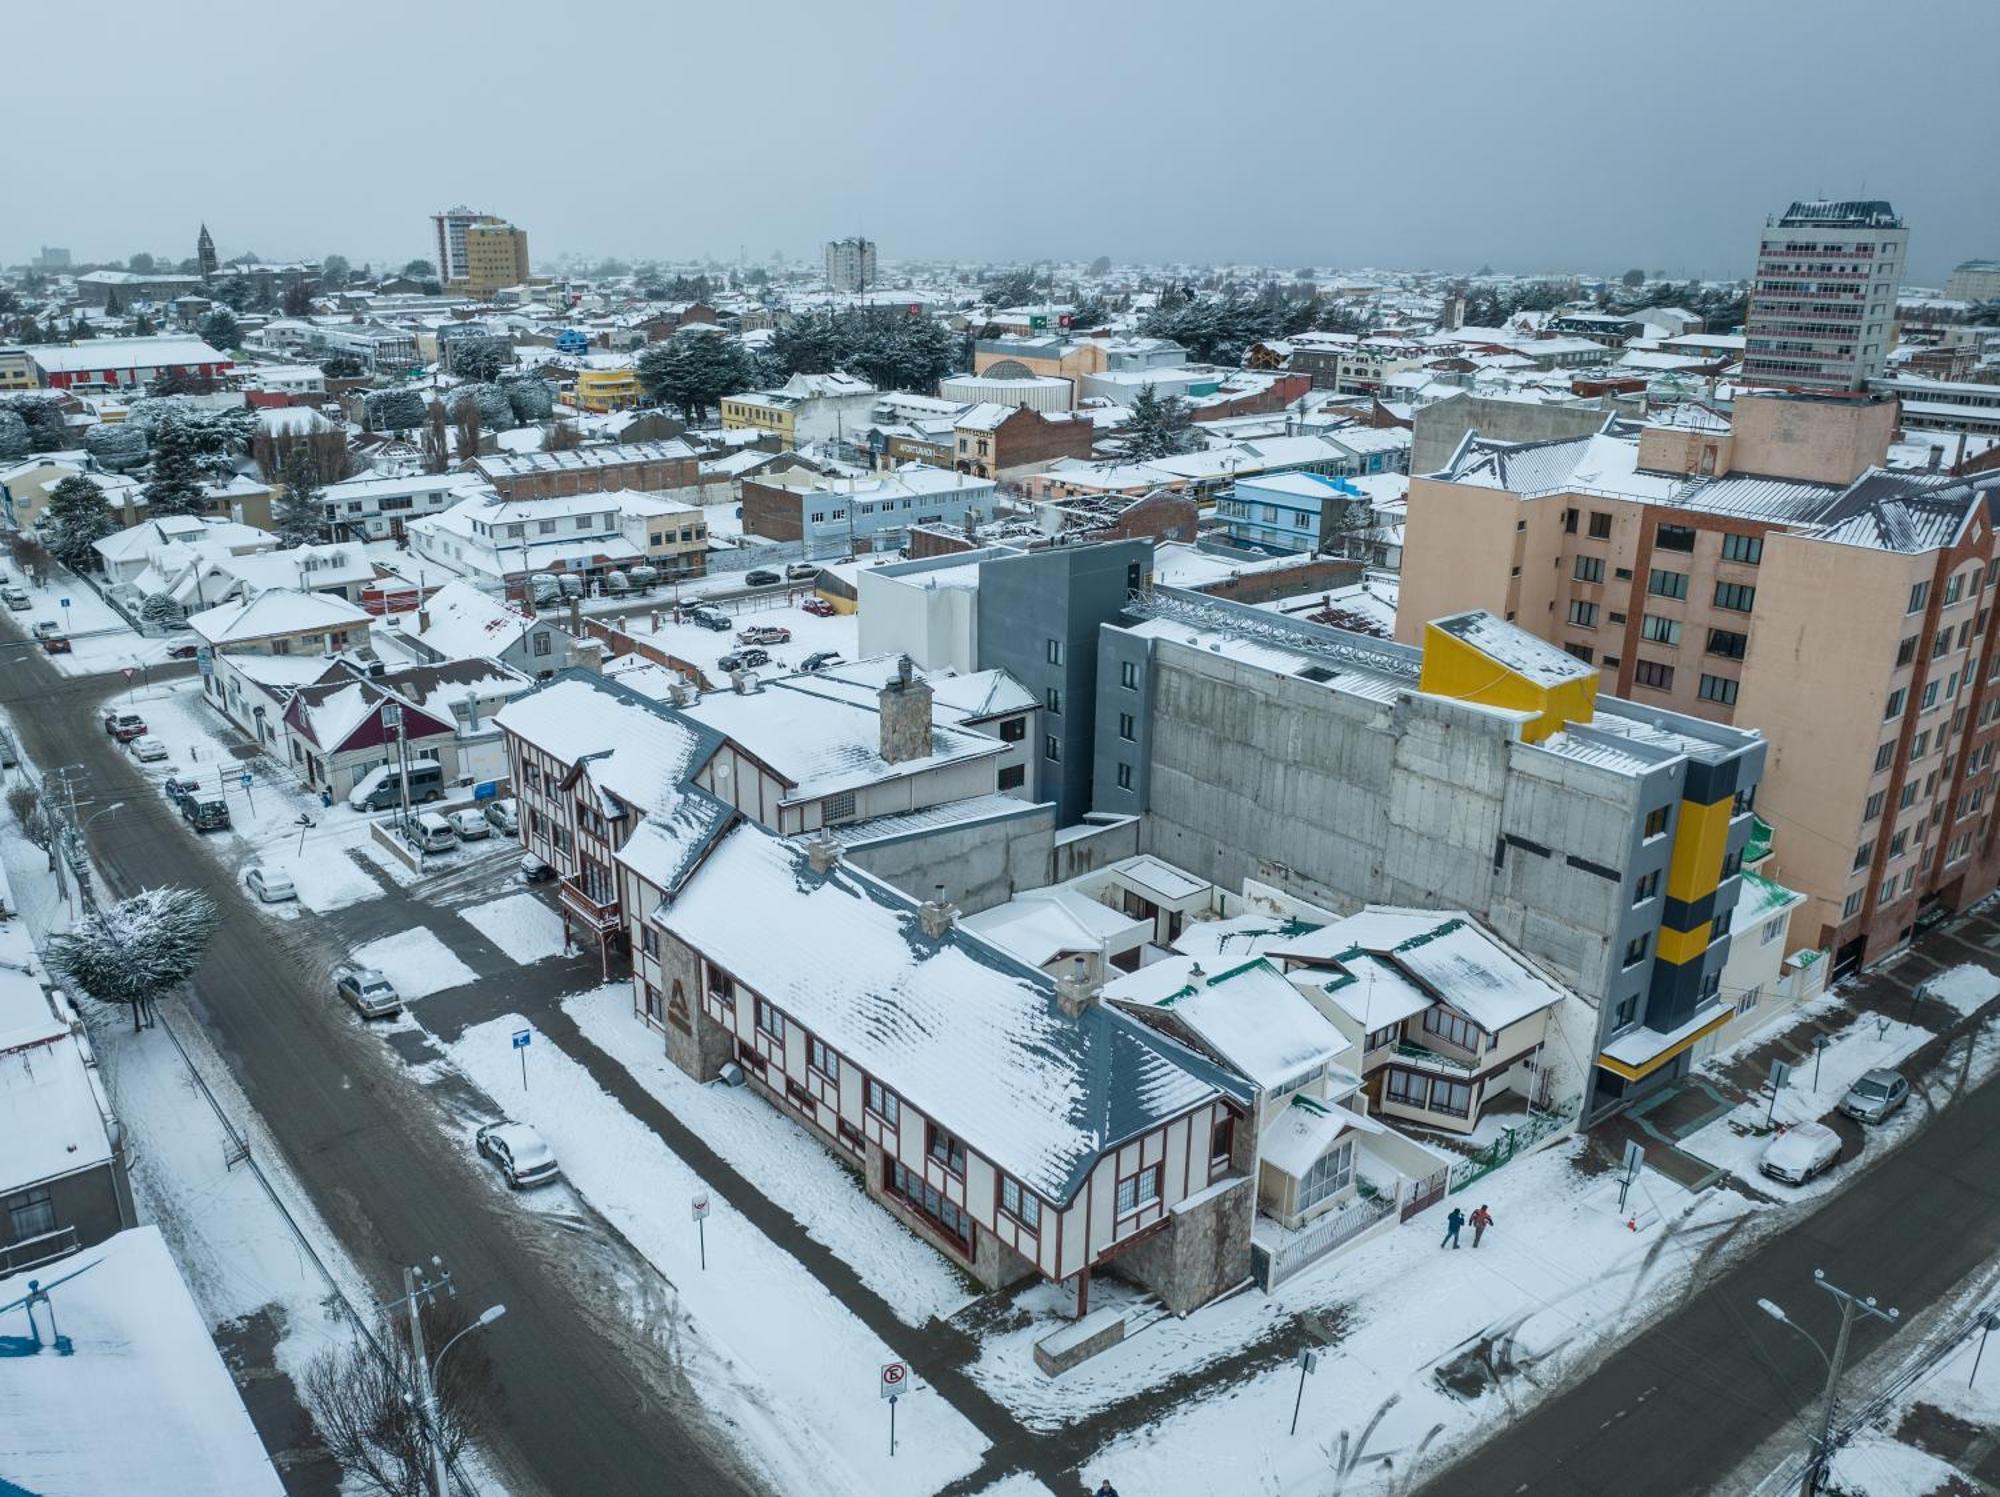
522, 1154
1800, 1152
504, 816
178, 790
57, 644
764, 634
469, 824
183, 652
45, 629
149, 750
744, 660
761, 578
1875, 1096
801, 571
270, 886
367, 991
709, 618
124, 726
16, 599
819, 608
534, 870
819, 660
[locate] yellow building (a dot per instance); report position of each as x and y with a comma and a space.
496, 256
17, 370
763, 410
606, 389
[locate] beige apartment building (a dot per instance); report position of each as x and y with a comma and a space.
1762, 570
496, 257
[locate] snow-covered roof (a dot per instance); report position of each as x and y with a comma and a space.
1044, 924
1514, 647
122, 353
1247, 1014
275, 614
143, 1403
638, 750
51, 1114
968, 1036
1294, 1140
975, 696
582, 459
459, 622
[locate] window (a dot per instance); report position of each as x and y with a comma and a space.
770, 1020
1600, 525
1583, 615
1055, 652
1052, 749
1656, 820
649, 941
883, 1102
1626, 1014
1052, 699
1667, 584
1590, 569
1330, 1174
1453, 1097
1906, 651
1674, 538
1654, 674
1851, 906
1895, 707
1898, 843
927, 1201
1748, 549
1908, 798
1920, 745
1569, 522
1735, 595
1127, 726
1013, 730
1717, 689
1728, 644
1874, 807
822, 1059
1128, 674
1017, 1203
1013, 777
1930, 697
1864, 854
1647, 886
1635, 950
1581, 652
1222, 1142
1660, 630
1409, 1088
1124, 777
1919, 595
1453, 1029
544, 642
1885, 755
32, 1213
945, 1149
1137, 1191
1953, 591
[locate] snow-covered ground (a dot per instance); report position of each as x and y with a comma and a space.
783, 1160
415, 961
705, 647
1737, 1140
802, 1373
521, 925
1967, 988
101, 642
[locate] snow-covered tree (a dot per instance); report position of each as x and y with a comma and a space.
138, 950
161, 612
48, 428
396, 410
219, 329
218, 435
116, 447
76, 519
419, 270
343, 366
530, 397
175, 486
13, 435
1158, 427
692, 371
496, 411
299, 514
335, 271
480, 360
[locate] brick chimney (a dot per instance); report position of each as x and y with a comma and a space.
822, 853
906, 715
936, 915
1076, 992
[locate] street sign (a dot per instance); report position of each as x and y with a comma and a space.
244, 779
65, 603
1635, 1156
699, 1206
1780, 1074
698, 1209
486, 790
895, 1377
521, 1038
129, 672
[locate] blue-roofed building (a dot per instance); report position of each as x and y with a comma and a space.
1290, 512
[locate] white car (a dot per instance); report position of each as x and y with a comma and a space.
150, 750
269, 886
505, 816
470, 825
523, 1156
1800, 1152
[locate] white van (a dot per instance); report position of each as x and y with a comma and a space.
432, 833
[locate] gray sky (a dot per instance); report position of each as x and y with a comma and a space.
1537, 134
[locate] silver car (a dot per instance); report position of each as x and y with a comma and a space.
1876, 1096
524, 1158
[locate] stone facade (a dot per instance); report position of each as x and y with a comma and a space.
1203, 1250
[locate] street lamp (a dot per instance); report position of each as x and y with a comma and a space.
486, 1317
432, 1420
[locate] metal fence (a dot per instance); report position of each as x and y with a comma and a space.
1273, 1265
1517, 1139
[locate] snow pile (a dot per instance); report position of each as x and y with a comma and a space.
416, 962
813, 1366
521, 925
1967, 988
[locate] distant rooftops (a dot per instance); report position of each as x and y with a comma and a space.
1825, 214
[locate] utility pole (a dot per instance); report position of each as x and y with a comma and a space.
1820, 1456
417, 1292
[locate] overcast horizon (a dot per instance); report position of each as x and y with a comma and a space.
1582, 139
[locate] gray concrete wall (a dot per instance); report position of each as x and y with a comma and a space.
1438, 428
980, 865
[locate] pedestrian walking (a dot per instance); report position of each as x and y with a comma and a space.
1481, 1220
1105, 1489
1451, 1225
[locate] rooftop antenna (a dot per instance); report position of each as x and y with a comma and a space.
31, 1344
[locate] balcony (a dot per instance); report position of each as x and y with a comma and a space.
587, 911
1430, 1060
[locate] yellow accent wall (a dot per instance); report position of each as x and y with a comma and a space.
1700, 841
1454, 668
1683, 946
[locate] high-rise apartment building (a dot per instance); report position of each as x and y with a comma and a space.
1764, 571
496, 256
1974, 280
451, 226
1824, 298
850, 264
204, 253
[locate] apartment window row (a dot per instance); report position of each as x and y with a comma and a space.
1453, 1029
1665, 583
1430, 1093
1717, 689
1653, 673
1737, 596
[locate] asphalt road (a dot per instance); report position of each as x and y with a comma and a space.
593, 1403
1679, 1407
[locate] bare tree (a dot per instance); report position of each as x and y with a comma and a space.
436, 443
562, 436
367, 1411
23, 800
466, 416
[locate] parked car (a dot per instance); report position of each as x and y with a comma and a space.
15, 599
471, 825
764, 634
432, 833
710, 618
45, 629
124, 726
382, 786
268, 885
744, 660
205, 813
819, 660
761, 578
183, 652
819, 608
1876, 1096
570, 585
534, 870
1800, 1152
504, 816
801, 571
177, 790
57, 644
149, 750
524, 1157
366, 991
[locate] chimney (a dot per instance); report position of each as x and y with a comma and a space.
681, 694
936, 915
1076, 992
423, 621
576, 617
743, 683
906, 715
823, 853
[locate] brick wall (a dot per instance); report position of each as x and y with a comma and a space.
771, 512
1323, 575
1028, 437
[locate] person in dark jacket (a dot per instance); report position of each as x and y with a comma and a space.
1105, 1489
1451, 1225
1481, 1220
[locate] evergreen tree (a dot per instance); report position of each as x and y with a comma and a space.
419, 270
335, 271
76, 519
1158, 427
79, 329
300, 514
13, 435
480, 359
161, 612
298, 300
116, 447
142, 326
139, 949
219, 329
175, 488
114, 304
1016, 288
397, 410
343, 366
48, 431
692, 371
